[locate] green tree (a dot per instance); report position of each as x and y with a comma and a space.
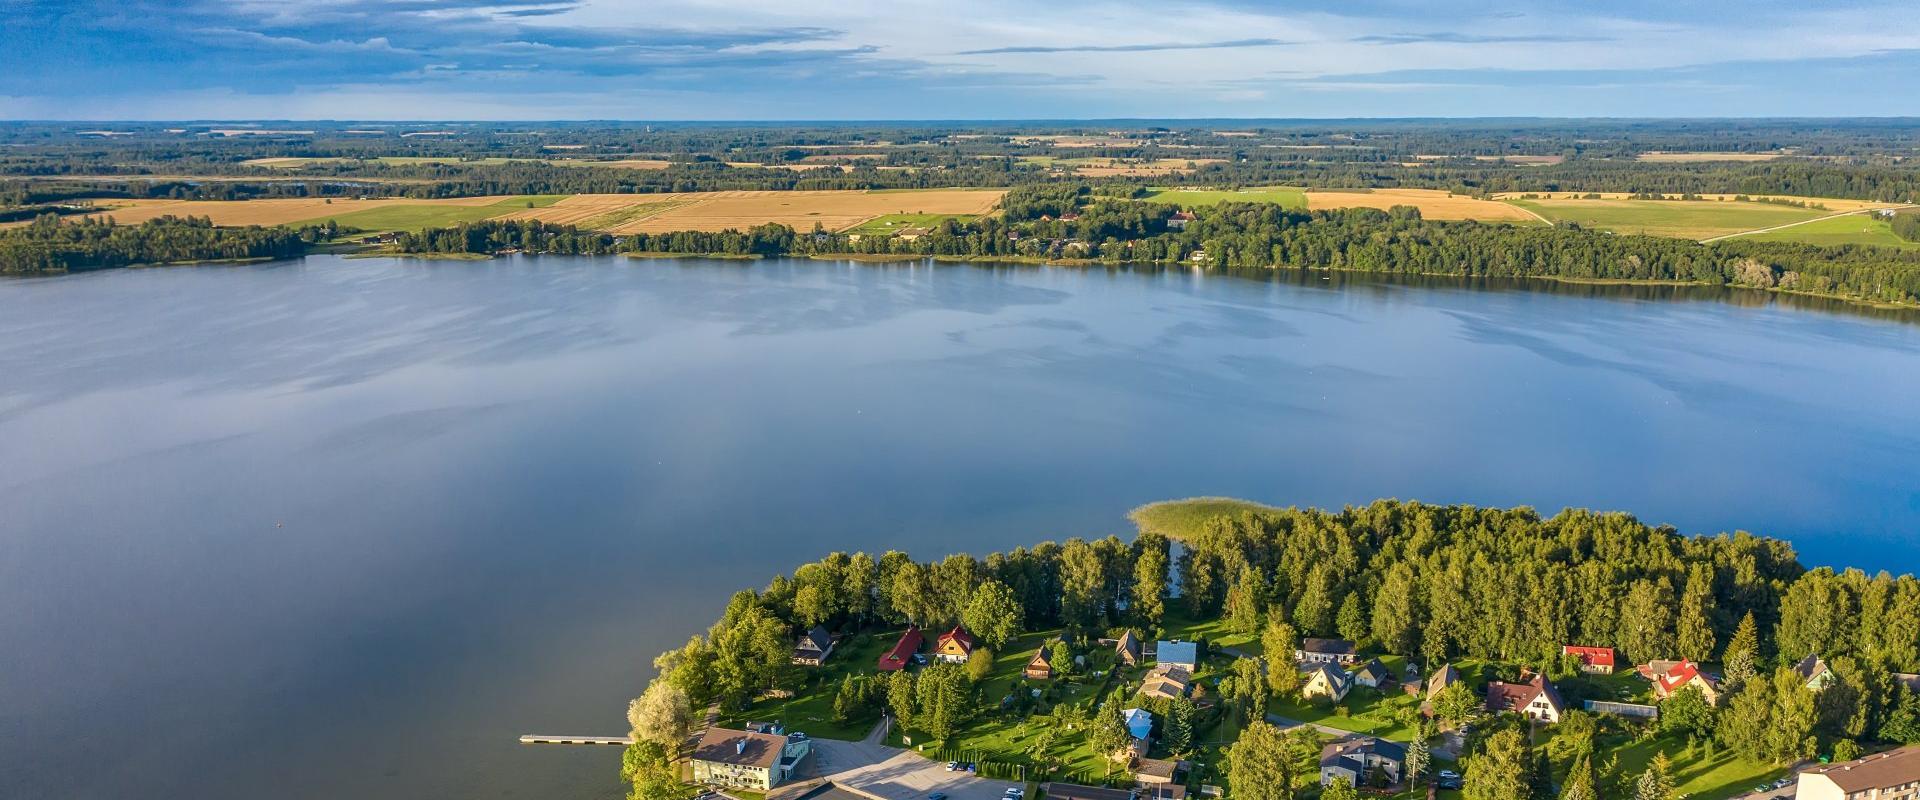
1244, 600
1396, 621
1176, 731
1687, 713
1655, 783
1340, 789
662, 714
901, 696
1644, 619
648, 768
847, 701
1109, 734
1352, 619
1502, 770
1250, 687
1259, 766
1743, 651
1150, 583
1456, 703
1580, 782
1845, 750
994, 614
1695, 624
1278, 642
979, 664
942, 698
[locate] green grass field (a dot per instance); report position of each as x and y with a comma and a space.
1685, 219
1291, 198
887, 224
1180, 519
295, 163
811, 707
421, 217
1852, 229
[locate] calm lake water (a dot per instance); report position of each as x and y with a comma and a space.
346, 528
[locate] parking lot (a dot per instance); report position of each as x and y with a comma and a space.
895, 774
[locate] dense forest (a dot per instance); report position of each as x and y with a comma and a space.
50, 246
1263, 235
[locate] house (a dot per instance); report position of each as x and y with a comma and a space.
1593, 660
1040, 667
1177, 653
1070, 217
954, 646
1068, 791
1814, 672
1179, 220
1325, 651
813, 648
1128, 649
746, 760
1682, 675
1167, 682
1360, 758
1326, 680
1160, 772
903, 651
1535, 699
1893, 775
1139, 722
1373, 674
1440, 680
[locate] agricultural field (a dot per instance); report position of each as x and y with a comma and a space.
1828, 204
1433, 204
894, 224
291, 211
1686, 219
1291, 198
834, 210
414, 217
1850, 229
296, 163
1694, 157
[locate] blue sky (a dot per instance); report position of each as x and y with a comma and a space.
974, 59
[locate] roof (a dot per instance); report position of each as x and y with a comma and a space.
1138, 720
1040, 659
1591, 656
1374, 669
1810, 667
1354, 748
1183, 215
1331, 646
1447, 676
1177, 652
1880, 770
903, 650
1166, 680
1503, 696
1069, 791
1157, 768
1682, 674
958, 635
740, 748
1334, 676
1129, 643
814, 641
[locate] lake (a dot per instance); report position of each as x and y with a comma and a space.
347, 527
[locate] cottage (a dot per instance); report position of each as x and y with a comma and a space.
1445, 677
813, 648
1160, 772
1359, 759
746, 760
954, 646
1127, 649
1593, 660
1326, 680
1535, 699
1179, 220
1040, 667
903, 651
1814, 673
1325, 651
1893, 775
1167, 682
1682, 675
1373, 674
1176, 653
1139, 722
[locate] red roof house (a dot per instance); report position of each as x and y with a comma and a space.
902, 653
954, 646
1597, 660
1685, 674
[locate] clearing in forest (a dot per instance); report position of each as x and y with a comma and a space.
1686, 219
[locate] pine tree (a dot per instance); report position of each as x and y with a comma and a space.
1695, 625
1743, 651
1352, 620
1278, 642
1150, 587
1502, 770
1655, 783
1176, 732
1580, 784
1244, 600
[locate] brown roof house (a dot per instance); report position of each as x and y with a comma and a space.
1167, 682
1040, 667
746, 760
1326, 680
1814, 673
813, 648
1893, 775
1325, 651
1535, 699
1128, 649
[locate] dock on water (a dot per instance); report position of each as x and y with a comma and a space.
534, 738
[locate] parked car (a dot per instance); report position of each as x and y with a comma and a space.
1447, 779
1015, 793
953, 766
937, 796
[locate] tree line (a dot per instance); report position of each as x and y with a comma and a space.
49, 246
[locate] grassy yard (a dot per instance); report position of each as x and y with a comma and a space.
1851, 229
1180, 519
1291, 198
1697, 775
1369, 711
1686, 219
887, 224
811, 707
1180, 624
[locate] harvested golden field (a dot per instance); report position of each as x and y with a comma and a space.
276, 211
1525, 161
1142, 169
1823, 203
1682, 158
714, 211
1433, 204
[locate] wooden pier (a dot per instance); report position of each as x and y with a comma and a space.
534, 738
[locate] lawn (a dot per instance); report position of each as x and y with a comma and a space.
1369, 711
1696, 774
1687, 219
1851, 229
887, 224
1182, 519
1291, 198
811, 707
1180, 624
421, 217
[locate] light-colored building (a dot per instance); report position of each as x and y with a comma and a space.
1176, 653
1325, 651
1814, 673
1359, 758
1373, 674
1326, 680
1040, 667
1167, 682
1681, 675
1893, 775
1594, 660
746, 760
813, 648
1535, 699
954, 646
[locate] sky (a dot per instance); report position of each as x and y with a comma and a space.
952, 59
